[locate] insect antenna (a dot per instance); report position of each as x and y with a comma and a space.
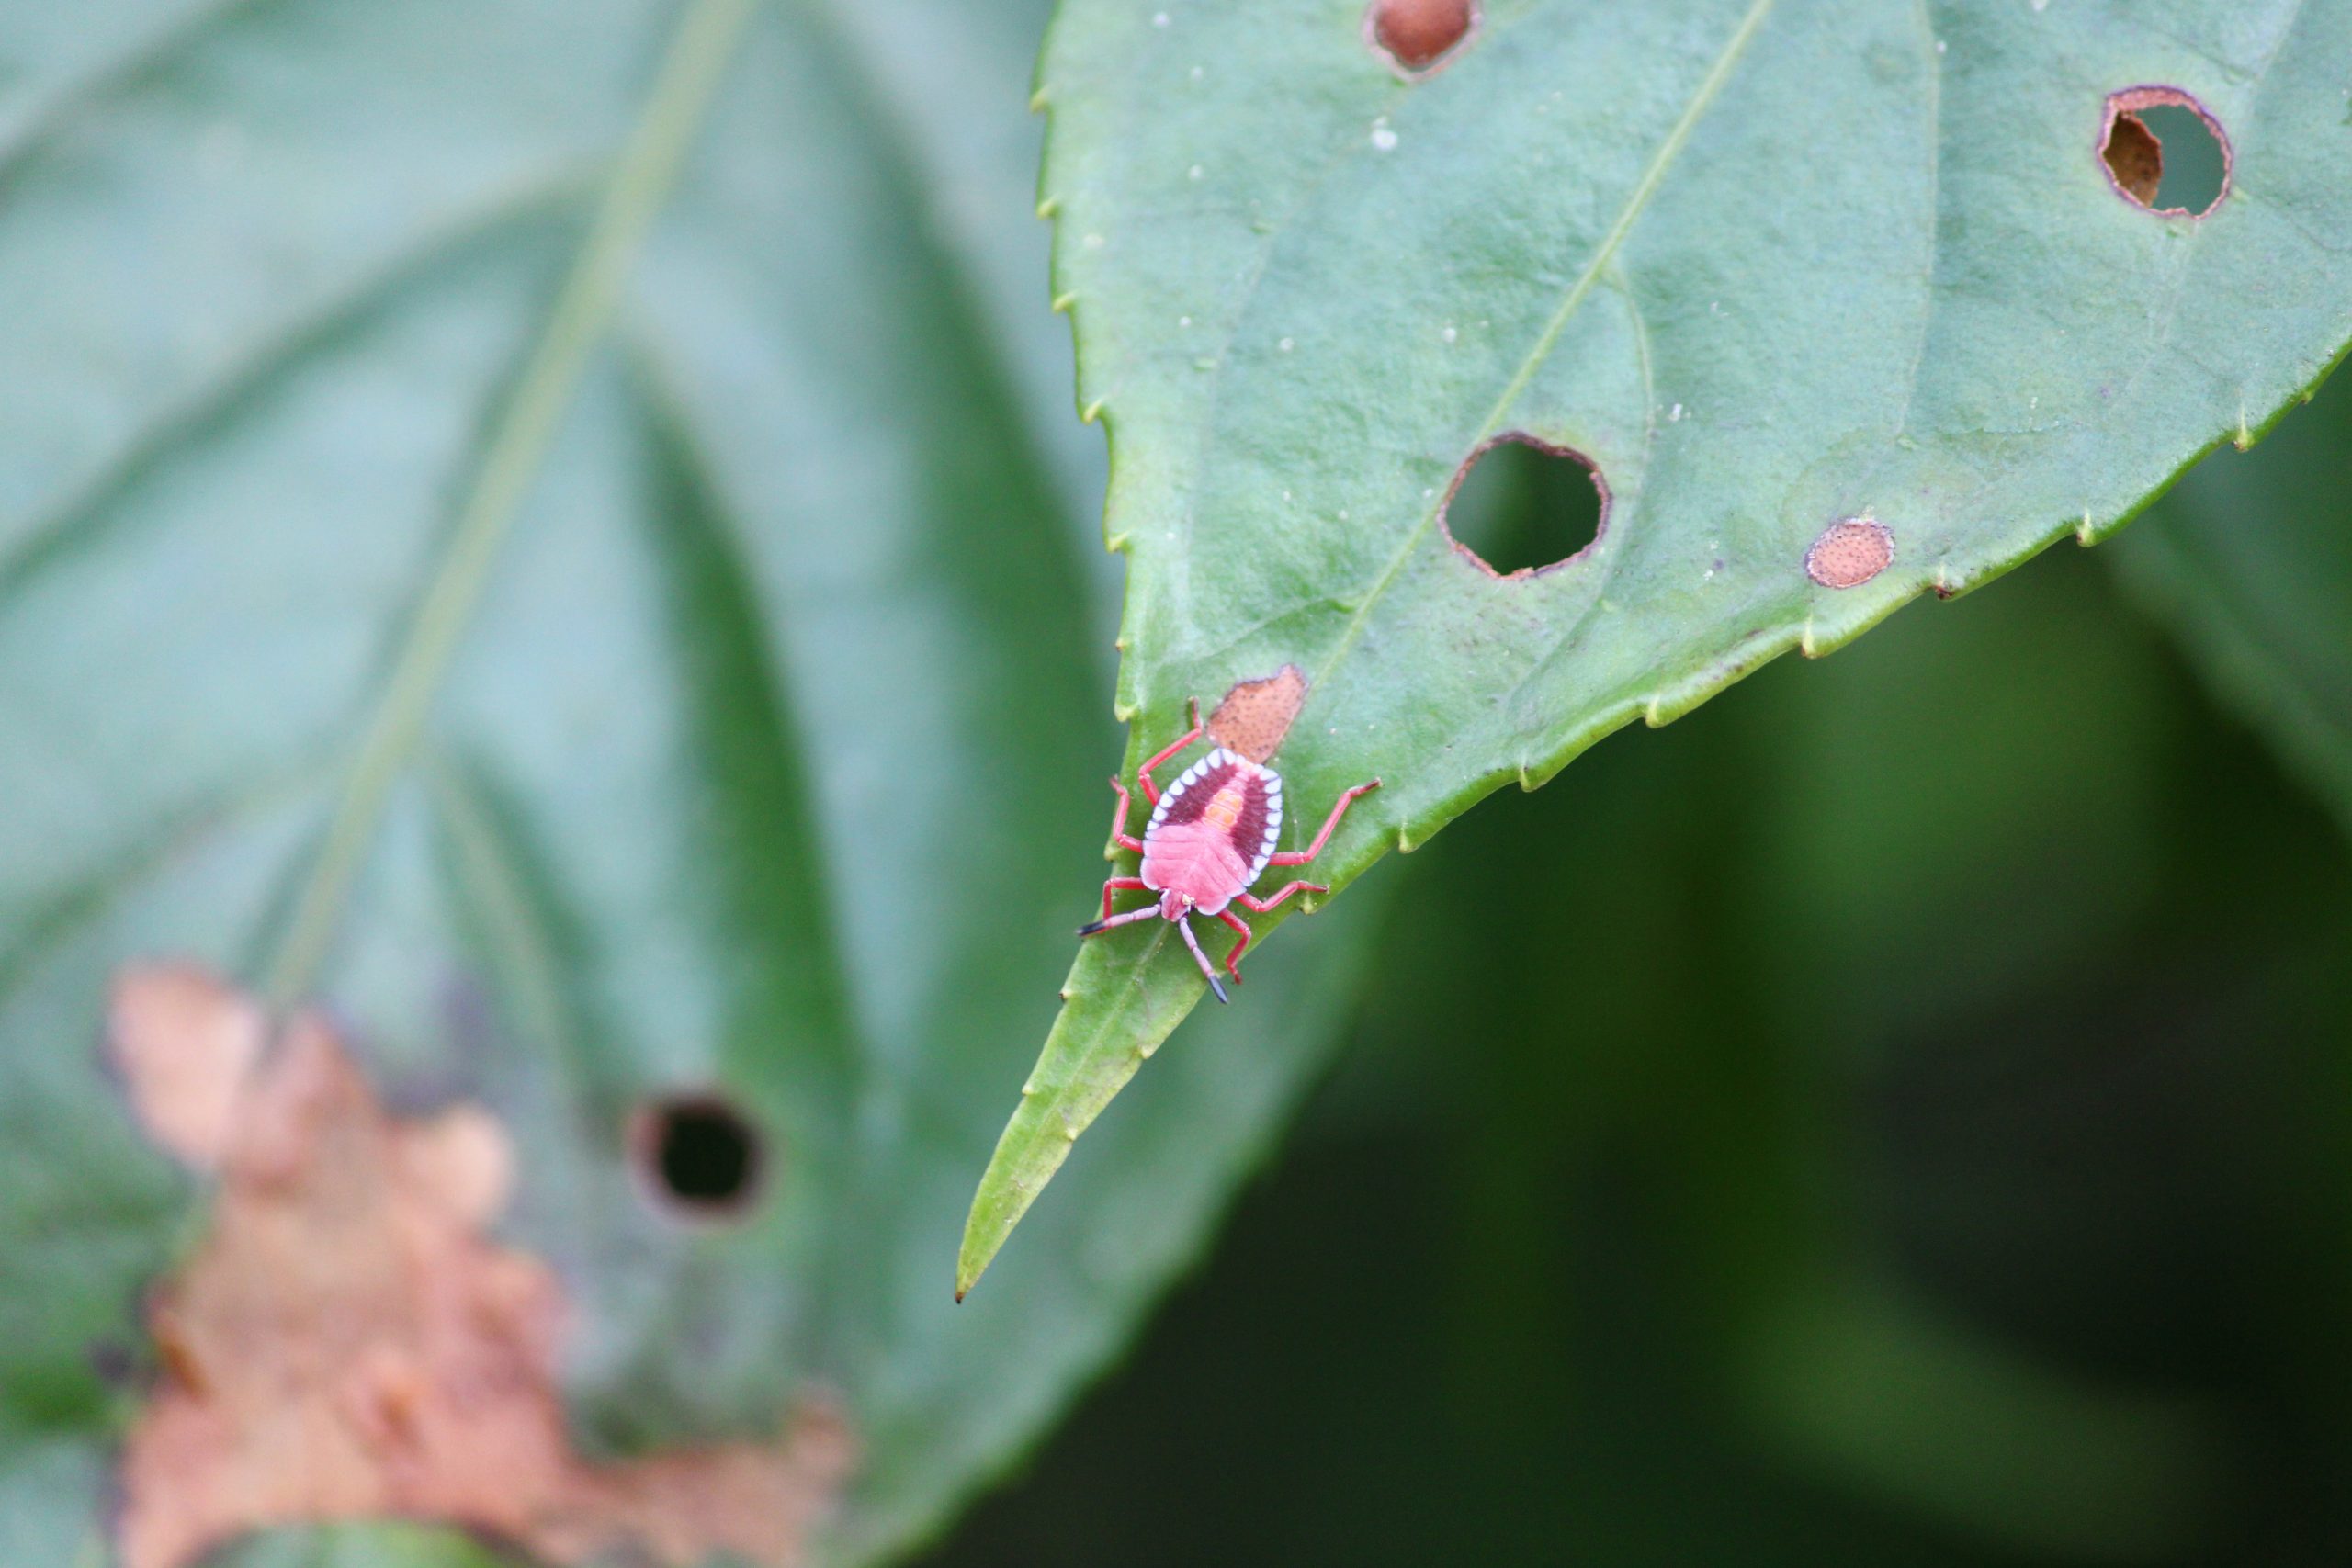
1148, 912
1185, 925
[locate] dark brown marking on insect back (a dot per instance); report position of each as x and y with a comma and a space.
1248, 834
1418, 37
1188, 806
2133, 155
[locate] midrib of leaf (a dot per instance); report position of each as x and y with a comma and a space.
1636, 201
583, 309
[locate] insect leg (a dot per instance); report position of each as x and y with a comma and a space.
1143, 774
1118, 885
1233, 959
1262, 905
1119, 833
1216, 984
1300, 857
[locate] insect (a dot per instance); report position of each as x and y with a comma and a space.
1210, 837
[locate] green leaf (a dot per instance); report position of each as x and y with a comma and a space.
2250, 558
1767, 267
543, 529
366, 1546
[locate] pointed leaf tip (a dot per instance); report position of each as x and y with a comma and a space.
1129, 997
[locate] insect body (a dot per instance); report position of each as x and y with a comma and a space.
1210, 837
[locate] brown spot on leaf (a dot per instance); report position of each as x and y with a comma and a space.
1851, 553
1256, 714
347, 1343
1417, 35
2133, 155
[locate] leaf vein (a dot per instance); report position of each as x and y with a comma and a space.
45, 534
699, 51
1645, 188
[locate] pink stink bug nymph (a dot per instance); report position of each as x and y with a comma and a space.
1213, 834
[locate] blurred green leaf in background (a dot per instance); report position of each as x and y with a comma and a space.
2251, 557
556, 527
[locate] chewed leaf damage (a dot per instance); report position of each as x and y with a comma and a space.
2133, 155
1256, 716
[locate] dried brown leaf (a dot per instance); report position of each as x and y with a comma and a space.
347, 1343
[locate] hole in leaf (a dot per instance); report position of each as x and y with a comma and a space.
2163, 151
1519, 506
1417, 35
696, 1151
